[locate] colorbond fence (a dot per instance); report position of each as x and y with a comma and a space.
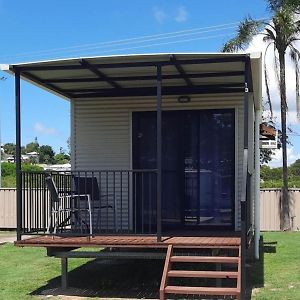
269, 209
270, 201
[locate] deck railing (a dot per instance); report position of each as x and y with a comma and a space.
122, 202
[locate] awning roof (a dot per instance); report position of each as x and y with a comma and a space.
135, 75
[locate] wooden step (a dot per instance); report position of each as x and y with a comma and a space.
205, 259
202, 274
210, 291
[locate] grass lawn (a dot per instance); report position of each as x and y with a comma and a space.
281, 267
25, 270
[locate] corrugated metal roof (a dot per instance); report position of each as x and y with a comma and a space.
109, 76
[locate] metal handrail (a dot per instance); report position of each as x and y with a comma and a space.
130, 192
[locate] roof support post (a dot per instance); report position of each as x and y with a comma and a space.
257, 184
246, 181
159, 150
18, 154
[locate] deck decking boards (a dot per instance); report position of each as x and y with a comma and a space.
130, 241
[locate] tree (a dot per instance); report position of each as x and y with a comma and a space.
46, 154
9, 148
61, 158
295, 168
32, 147
281, 33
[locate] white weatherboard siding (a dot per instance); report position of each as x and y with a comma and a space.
101, 130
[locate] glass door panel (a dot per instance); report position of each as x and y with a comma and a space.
198, 165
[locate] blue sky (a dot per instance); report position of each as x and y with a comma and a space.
40, 30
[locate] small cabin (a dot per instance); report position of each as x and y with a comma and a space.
164, 155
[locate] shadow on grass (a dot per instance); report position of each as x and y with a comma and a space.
130, 279
134, 279
256, 268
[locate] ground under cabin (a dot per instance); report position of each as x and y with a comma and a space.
165, 155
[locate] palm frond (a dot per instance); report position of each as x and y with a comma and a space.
276, 5
270, 34
246, 31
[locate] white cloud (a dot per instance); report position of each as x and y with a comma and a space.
277, 157
181, 15
159, 15
40, 128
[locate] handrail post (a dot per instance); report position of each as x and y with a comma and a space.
159, 151
18, 154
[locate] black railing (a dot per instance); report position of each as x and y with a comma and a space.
121, 202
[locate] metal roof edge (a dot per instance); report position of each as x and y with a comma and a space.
131, 55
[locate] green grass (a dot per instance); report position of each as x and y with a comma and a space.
23, 270
281, 268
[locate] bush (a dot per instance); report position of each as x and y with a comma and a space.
8, 178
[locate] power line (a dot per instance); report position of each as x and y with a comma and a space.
129, 41
165, 43
84, 48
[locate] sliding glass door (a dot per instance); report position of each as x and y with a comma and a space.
198, 165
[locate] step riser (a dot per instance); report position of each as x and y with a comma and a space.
203, 274
201, 291
205, 259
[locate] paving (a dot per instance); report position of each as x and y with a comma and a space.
7, 237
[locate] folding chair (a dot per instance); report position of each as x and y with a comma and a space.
89, 186
57, 207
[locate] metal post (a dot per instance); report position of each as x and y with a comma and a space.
18, 154
257, 184
246, 101
64, 273
159, 152
245, 170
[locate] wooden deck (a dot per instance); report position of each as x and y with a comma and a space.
124, 241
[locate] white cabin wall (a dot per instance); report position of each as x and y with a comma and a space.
101, 130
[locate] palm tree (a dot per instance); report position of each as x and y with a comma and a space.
280, 34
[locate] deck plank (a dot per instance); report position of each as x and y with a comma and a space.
130, 241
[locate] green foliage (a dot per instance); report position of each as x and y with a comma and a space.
8, 181
272, 177
31, 168
32, 147
9, 148
8, 171
46, 154
295, 168
61, 158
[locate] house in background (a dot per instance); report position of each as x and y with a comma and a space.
167, 148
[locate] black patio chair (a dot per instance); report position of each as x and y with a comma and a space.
89, 185
74, 210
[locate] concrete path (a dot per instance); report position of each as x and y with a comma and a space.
7, 237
